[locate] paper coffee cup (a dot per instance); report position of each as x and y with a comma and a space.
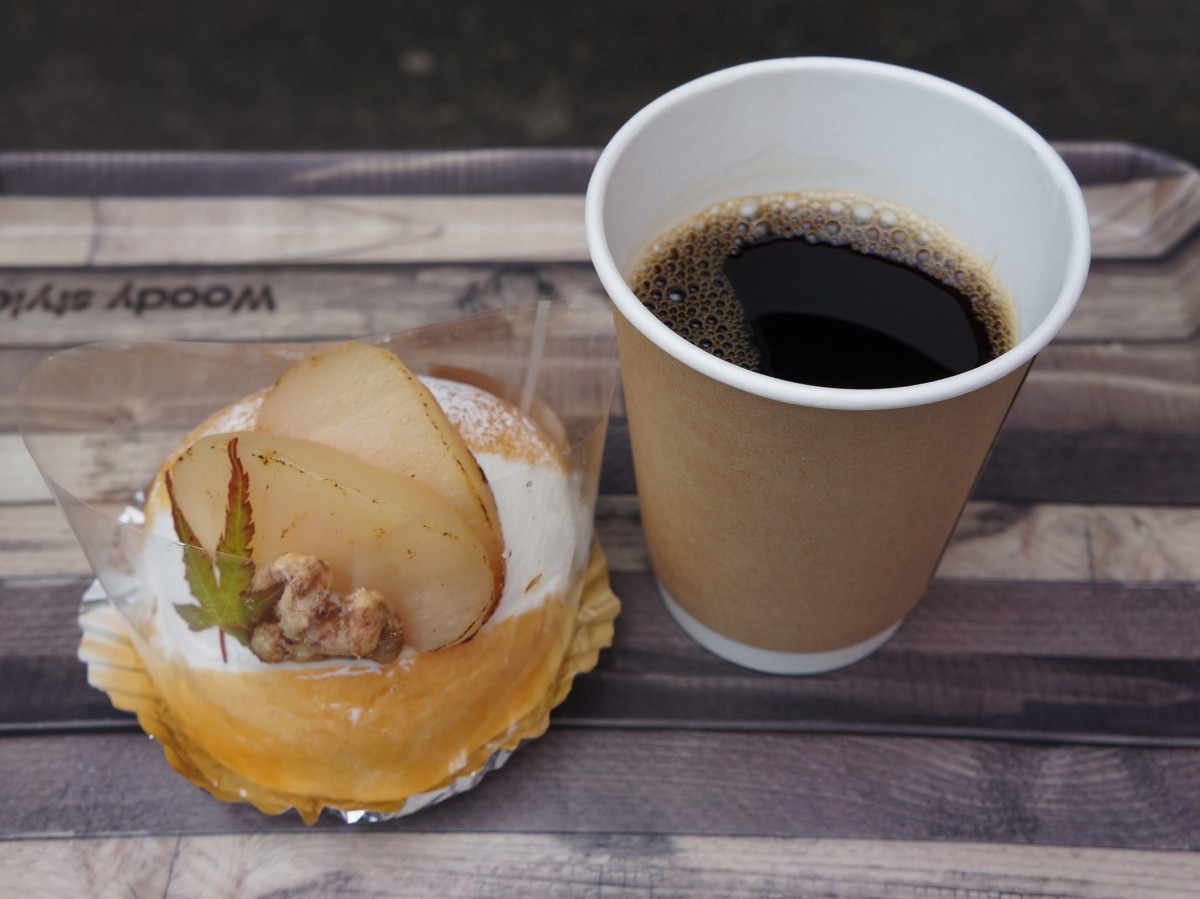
791, 528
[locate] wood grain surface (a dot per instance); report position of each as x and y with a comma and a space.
1033, 729
590, 867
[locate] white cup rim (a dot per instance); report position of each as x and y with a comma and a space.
632, 309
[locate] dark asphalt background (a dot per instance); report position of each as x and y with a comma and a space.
94, 74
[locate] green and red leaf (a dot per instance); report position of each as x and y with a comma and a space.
221, 582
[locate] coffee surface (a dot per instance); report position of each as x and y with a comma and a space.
831, 288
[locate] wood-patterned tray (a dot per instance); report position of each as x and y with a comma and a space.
1047, 690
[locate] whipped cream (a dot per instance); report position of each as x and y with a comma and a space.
540, 518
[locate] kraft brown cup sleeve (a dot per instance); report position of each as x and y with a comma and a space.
790, 528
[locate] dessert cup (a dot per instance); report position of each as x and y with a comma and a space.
99, 422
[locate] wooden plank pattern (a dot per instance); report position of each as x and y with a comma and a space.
578, 781
1074, 387
1033, 729
131, 231
1103, 662
76, 306
1137, 217
1049, 542
1099, 466
1143, 217
83, 304
1109, 386
990, 659
100, 868
585, 866
1148, 468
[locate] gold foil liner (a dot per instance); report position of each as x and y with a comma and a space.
116, 667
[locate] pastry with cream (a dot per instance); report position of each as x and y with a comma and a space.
365, 585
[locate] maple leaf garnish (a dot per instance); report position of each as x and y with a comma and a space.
222, 589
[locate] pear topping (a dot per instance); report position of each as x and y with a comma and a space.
371, 528
364, 401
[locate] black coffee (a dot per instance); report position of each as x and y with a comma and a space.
825, 288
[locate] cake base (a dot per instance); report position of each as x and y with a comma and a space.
116, 666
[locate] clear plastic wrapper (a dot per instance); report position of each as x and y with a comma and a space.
365, 740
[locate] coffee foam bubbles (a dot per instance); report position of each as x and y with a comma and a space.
680, 277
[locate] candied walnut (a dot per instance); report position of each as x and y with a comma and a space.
311, 622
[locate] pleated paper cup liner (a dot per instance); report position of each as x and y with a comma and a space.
115, 666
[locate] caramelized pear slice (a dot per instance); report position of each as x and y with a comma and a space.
365, 402
375, 529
